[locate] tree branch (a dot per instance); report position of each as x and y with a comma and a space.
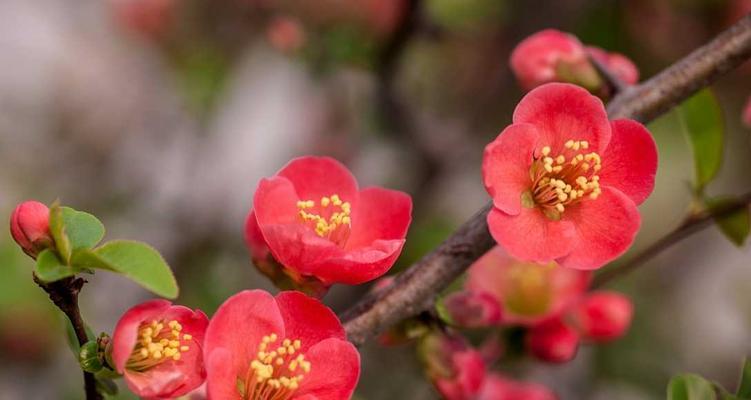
64, 294
616, 84
690, 226
414, 290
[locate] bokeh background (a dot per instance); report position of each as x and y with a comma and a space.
160, 116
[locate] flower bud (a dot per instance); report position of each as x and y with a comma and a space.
553, 341
29, 226
472, 309
456, 370
603, 316
90, 357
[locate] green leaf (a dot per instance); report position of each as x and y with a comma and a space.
690, 387
736, 225
137, 261
744, 387
49, 268
703, 123
73, 230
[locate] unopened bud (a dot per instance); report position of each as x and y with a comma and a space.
603, 316
472, 309
29, 226
553, 341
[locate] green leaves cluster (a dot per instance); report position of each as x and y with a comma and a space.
694, 387
77, 235
703, 123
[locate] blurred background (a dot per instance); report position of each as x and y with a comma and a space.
160, 116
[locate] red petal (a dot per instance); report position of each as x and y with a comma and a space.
605, 228
254, 237
308, 319
361, 265
221, 381
334, 371
531, 236
505, 166
380, 214
316, 177
535, 58
629, 163
126, 331
561, 112
237, 327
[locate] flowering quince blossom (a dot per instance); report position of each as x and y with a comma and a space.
565, 181
554, 56
260, 347
553, 341
456, 369
498, 387
311, 223
30, 227
157, 347
603, 316
522, 293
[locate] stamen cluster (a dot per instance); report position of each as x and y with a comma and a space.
338, 215
566, 178
274, 374
157, 344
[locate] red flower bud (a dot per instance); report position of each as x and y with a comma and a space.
472, 309
603, 316
456, 369
553, 341
29, 226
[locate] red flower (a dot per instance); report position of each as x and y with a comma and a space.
499, 387
565, 181
157, 347
312, 218
603, 316
617, 63
456, 369
553, 341
290, 346
30, 227
527, 293
552, 56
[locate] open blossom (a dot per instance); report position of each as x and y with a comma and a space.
525, 292
260, 347
498, 387
157, 347
30, 227
554, 56
565, 181
312, 224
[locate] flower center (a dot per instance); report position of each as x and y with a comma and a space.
561, 180
528, 289
275, 373
157, 344
329, 217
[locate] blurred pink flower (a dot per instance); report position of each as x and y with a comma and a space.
553, 341
285, 34
499, 387
603, 316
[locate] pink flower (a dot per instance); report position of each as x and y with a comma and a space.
552, 56
286, 34
313, 220
29, 226
157, 347
472, 309
285, 347
499, 387
617, 63
527, 293
565, 181
456, 369
553, 341
603, 316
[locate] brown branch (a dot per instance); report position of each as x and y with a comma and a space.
690, 226
415, 289
64, 294
616, 84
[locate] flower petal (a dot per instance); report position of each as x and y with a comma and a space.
563, 111
308, 319
505, 166
380, 214
629, 163
126, 331
334, 372
316, 177
531, 236
360, 265
605, 228
221, 382
238, 325
254, 237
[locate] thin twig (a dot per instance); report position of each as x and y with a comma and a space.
616, 84
64, 294
415, 289
690, 226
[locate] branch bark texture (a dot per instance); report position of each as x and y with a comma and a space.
415, 289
